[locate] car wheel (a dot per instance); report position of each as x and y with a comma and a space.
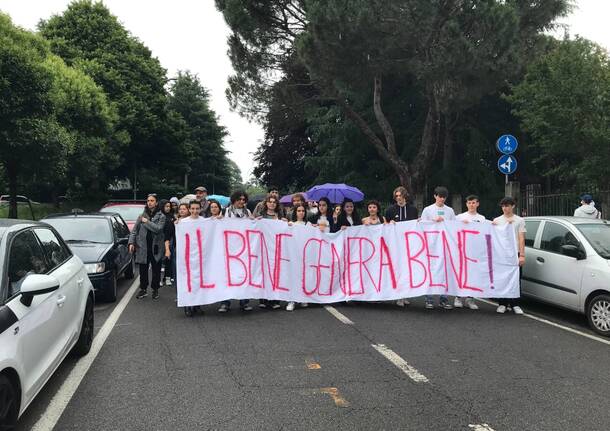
598, 314
9, 404
130, 272
85, 338
111, 293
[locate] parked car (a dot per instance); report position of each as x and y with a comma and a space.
129, 210
46, 311
6, 199
567, 263
100, 240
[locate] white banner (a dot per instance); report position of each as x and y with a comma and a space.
244, 259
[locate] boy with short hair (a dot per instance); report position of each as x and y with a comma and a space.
518, 224
438, 212
470, 216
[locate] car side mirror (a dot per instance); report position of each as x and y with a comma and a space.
37, 284
573, 251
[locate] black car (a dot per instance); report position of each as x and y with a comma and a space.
100, 240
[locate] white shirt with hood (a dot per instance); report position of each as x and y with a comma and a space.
588, 211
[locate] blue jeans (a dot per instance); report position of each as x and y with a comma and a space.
442, 299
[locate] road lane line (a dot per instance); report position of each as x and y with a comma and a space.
480, 427
556, 325
60, 400
341, 317
393, 357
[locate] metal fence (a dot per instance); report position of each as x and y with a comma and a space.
560, 204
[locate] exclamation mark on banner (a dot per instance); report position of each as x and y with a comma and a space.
490, 265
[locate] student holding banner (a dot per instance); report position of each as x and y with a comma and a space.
402, 210
438, 212
470, 216
518, 224
299, 217
270, 210
348, 217
238, 208
323, 217
373, 208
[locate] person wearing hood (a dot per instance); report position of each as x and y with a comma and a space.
587, 208
147, 241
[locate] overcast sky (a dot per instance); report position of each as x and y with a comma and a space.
191, 35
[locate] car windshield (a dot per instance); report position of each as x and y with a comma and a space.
82, 229
598, 235
128, 212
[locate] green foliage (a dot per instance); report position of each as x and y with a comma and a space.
564, 104
88, 37
208, 163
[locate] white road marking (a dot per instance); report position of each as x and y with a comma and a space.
556, 325
60, 400
481, 427
341, 317
393, 357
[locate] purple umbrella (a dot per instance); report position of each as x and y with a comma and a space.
287, 200
336, 193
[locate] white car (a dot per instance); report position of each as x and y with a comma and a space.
567, 263
46, 311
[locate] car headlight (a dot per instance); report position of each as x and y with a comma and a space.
95, 268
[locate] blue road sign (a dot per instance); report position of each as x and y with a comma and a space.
507, 164
507, 144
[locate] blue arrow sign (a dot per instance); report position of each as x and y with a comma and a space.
507, 144
507, 164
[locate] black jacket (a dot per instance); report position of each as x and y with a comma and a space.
397, 213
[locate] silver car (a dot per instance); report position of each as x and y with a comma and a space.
567, 263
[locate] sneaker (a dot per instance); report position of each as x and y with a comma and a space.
155, 294
223, 308
246, 307
457, 303
501, 309
304, 305
446, 305
276, 305
142, 294
188, 311
290, 306
262, 305
471, 304
168, 282
400, 302
429, 305
517, 310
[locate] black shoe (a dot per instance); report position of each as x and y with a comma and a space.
188, 311
142, 294
155, 294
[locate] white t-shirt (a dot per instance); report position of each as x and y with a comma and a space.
189, 219
432, 212
518, 224
470, 217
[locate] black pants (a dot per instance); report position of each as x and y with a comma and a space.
512, 302
156, 273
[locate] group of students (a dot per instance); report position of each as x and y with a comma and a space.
153, 238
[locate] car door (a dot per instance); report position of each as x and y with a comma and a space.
557, 277
65, 269
123, 257
39, 325
532, 228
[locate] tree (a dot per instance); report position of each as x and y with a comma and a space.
89, 38
31, 139
455, 52
564, 104
207, 159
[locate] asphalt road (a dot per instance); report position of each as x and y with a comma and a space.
307, 370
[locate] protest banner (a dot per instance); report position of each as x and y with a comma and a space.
246, 259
